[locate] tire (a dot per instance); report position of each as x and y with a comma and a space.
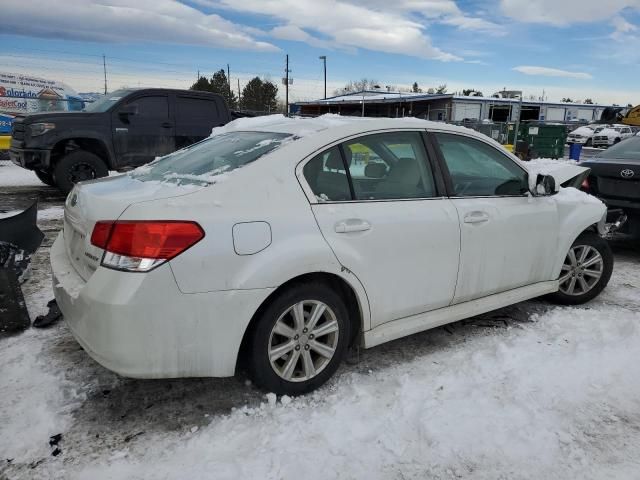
298, 347
584, 270
588, 143
617, 140
45, 177
77, 166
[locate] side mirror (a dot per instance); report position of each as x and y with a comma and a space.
545, 185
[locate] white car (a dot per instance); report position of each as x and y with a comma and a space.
611, 135
278, 243
584, 135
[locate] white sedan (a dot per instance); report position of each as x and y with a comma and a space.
277, 244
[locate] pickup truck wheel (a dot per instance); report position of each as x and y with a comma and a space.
45, 177
300, 340
588, 143
77, 166
586, 270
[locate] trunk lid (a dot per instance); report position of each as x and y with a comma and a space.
106, 199
615, 178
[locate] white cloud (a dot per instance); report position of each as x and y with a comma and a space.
551, 72
125, 21
464, 22
564, 12
349, 24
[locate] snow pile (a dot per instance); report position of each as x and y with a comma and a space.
551, 399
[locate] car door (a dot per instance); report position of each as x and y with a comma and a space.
143, 129
195, 118
508, 237
387, 222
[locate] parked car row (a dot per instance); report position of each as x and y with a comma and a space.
600, 136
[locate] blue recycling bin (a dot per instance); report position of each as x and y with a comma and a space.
575, 149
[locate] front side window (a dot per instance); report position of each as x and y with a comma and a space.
201, 162
151, 107
478, 170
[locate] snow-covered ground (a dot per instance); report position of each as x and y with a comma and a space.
531, 391
12, 175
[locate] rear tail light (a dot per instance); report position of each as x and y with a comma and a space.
139, 246
585, 184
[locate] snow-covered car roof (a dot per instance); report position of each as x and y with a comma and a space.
302, 127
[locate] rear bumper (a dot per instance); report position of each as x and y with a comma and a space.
141, 325
31, 159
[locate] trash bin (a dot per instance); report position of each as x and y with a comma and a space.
545, 140
574, 151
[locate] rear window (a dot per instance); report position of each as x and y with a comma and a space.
201, 162
194, 109
626, 150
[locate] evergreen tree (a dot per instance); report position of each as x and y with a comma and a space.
220, 84
415, 88
260, 96
202, 85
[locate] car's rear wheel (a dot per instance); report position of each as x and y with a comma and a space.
78, 166
300, 340
586, 270
45, 177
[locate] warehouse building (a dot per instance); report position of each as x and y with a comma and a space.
447, 107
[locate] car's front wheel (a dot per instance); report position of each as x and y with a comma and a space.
586, 270
300, 340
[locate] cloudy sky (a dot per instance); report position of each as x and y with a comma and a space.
575, 48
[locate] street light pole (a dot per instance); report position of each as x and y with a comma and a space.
324, 63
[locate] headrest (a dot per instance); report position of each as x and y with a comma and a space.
375, 170
334, 160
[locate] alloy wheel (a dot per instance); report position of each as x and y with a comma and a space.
303, 341
581, 270
80, 172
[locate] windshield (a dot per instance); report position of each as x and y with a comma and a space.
199, 163
106, 102
626, 150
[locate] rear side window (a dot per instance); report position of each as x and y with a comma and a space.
478, 170
327, 177
201, 162
386, 166
389, 166
194, 109
151, 107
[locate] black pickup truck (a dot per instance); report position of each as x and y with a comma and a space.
122, 130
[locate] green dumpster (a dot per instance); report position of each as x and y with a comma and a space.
545, 140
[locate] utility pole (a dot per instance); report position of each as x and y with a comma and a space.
104, 68
229, 81
286, 85
239, 108
324, 62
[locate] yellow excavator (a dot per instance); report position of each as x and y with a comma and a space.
625, 115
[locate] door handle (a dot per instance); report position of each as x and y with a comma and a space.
476, 217
167, 125
352, 225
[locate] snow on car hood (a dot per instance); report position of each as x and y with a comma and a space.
609, 132
584, 131
561, 170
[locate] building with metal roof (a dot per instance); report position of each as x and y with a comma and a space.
448, 107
